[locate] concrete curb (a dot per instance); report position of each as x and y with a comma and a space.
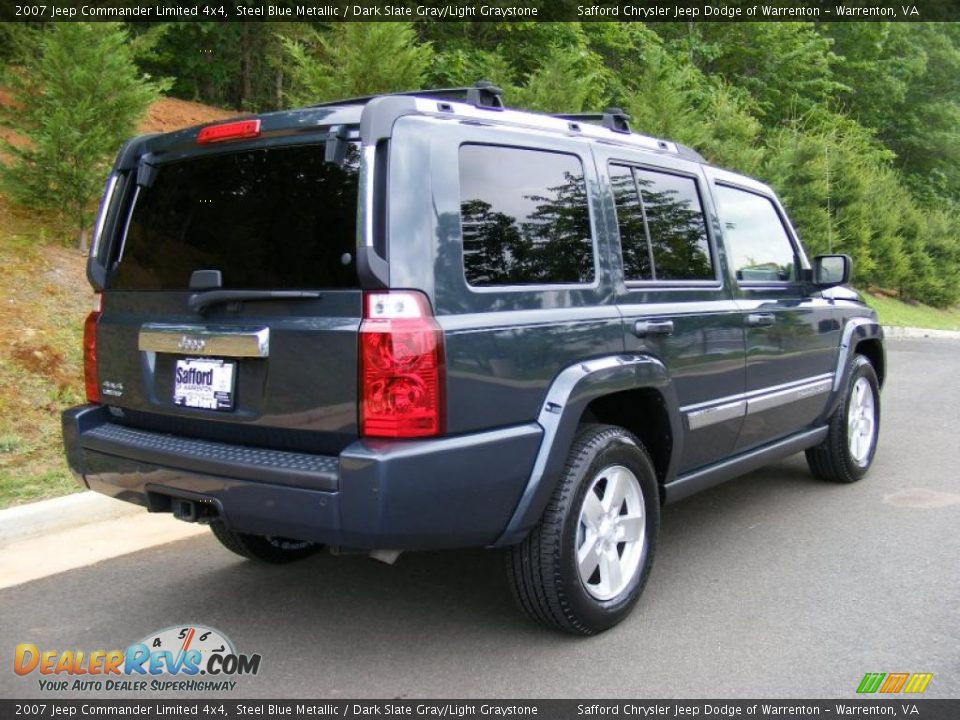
62, 513
909, 333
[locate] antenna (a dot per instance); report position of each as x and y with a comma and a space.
826, 158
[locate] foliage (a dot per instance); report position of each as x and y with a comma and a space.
856, 124
567, 81
75, 96
356, 59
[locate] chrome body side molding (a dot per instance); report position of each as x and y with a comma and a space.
733, 406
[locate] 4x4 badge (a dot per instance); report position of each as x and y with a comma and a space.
192, 344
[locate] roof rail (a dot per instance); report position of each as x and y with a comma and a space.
612, 118
482, 94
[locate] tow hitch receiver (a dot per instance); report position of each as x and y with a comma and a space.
185, 510
195, 508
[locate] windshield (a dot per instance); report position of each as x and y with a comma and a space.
266, 218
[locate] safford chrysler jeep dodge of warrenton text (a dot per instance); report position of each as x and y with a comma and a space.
424, 320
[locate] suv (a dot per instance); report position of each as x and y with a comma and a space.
411, 322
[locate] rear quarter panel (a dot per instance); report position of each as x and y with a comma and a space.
503, 345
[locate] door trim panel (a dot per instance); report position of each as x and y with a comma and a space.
776, 399
734, 406
697, 419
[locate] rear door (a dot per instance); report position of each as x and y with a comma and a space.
673, 298
792, 335
265, 356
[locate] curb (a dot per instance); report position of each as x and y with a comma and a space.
50, 516
907, 333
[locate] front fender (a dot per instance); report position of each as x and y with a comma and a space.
856, 331
568, 396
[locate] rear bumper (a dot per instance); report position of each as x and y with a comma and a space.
440, 493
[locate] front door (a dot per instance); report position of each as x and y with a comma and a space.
792, 335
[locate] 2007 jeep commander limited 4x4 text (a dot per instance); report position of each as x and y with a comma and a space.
413, 322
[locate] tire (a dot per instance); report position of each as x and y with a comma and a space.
273, 550
841, 457
543, 570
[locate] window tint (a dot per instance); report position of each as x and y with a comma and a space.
266, 218
678, 233
633, 233
664, 237
524, 217
760, 249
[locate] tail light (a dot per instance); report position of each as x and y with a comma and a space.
401, 367
90, 352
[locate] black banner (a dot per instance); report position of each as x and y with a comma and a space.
553, 709
473, 11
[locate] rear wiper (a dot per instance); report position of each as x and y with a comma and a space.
199, 302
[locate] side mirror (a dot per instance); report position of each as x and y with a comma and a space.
831, 270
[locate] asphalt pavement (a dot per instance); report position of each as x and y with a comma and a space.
772, 585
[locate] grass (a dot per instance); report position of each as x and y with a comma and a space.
897, 312
44, 302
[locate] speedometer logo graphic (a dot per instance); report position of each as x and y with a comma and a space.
200, 641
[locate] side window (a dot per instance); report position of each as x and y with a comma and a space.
678, 231
760, 249
663, 233
524, 217
633, 227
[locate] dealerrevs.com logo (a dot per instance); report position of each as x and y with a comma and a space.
181, 658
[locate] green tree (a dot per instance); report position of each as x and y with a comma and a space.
786, 67
670, 98
924, 128
355, 59
235, 65
462, 67
568, 80
76, 95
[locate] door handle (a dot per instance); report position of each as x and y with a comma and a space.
760, 319
645, 328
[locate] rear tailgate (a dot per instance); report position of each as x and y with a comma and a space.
296, 391
273, 363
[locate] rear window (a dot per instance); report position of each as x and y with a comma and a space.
524, 216
266, 218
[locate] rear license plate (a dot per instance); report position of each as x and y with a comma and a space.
204, 383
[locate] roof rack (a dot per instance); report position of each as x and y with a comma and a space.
613, 118
482, 94
617, 120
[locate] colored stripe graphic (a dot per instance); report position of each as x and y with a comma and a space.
894, 682
918, 682
871, 682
